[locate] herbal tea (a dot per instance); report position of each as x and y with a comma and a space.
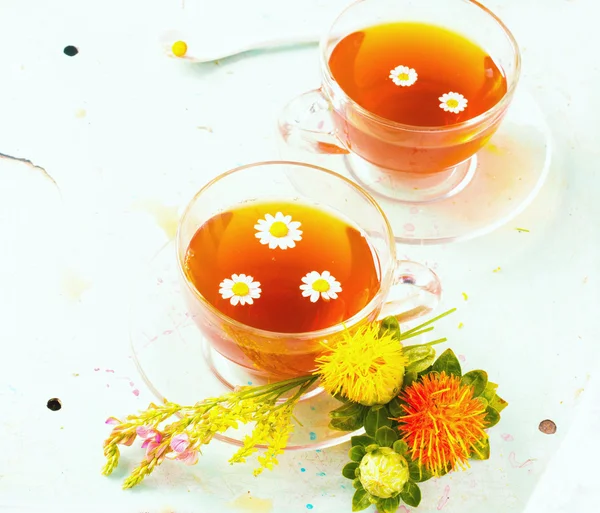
282, 266
417, 74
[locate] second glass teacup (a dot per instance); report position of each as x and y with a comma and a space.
416, 162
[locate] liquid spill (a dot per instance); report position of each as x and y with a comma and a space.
251, 504
74, 285
507, 437
167, 218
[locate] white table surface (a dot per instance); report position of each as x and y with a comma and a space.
123, 131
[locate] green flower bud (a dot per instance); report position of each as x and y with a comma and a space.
384, 472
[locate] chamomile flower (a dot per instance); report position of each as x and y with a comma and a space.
453, 102
403, 76
321, 285
241, 288
278, 231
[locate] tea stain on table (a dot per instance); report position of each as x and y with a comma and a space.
74, 285
251, 504
166, 217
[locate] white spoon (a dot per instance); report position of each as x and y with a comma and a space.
197, 52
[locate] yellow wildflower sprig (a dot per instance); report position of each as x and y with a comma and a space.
182, 439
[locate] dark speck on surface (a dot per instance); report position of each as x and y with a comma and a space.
547, 427
71, 51
54, 404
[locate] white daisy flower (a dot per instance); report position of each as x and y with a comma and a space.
279, 231
241, 288
403, 76
323, 285
453, 102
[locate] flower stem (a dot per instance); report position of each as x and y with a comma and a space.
432, 343
430, 321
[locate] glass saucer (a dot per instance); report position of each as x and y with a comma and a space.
475, 198
177, 364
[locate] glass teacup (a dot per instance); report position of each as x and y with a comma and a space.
406, 289
416, 163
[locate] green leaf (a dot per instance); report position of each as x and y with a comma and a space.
378, 416
348, 417
356, 453
341, 398
492, 417
356, 484
477, 379
483, 401
498, 403
418, 474
419, 357
347, 410
391, 326
360, 500
400, 446
447, 362
346, 424
363, 440
386, 436
410, 378
490, 391
411, 494
349, 470
372, 447
388, 505
481, 451
395, 407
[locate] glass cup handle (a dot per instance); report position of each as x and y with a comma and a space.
306, 123
416, 290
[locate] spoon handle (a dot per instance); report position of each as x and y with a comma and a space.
275, 42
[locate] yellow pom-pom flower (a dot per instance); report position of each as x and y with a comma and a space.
363, 366
179, 48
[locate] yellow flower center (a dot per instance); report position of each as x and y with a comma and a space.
321, 285
179, 48
278, 229
452, 103
403, 77
240, 289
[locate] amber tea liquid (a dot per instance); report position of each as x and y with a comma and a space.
419, 75
443, 61
227, 245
